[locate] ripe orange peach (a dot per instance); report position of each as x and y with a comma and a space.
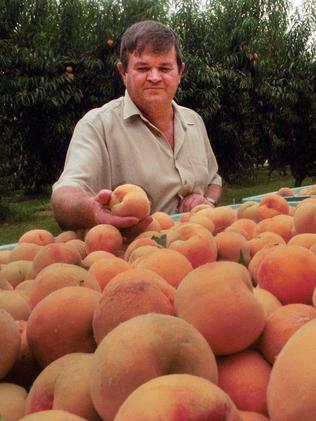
222, 217
305, 218
170, 264
12, 401
306, 239
129, 200
244, 226
264, 239
290, 394
281, 325
248, 210
55, 253
15, 304
178, 397
103, 270
24, 251
139, 242
52, 415
165, 220
64, 385
165, 345
285, 191
25, 289
37, 236
279, 224
78, 245
232, 246
17, 272
270, 205
252, 416
217, 299
257, 258
66, 236
60, 275
195, 242
141, 252
268, 301
198, 218
289, 272
5, 256
103, 237
200, 207
244, 377
10, 342
61, 323
94, 256
129, 294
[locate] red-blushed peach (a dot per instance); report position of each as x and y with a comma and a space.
129, 294
195, 242
94, 256
290, 394
248, 210
139, 242
244, 226
289, 272
141, 252
285, 192
257, 258
165, 345
279, 224
55, 253
37, 236
270, 205
24, 251
129, 200
264, 239
78, 245
200, 207
66, 236
165, 220
217, 299
64, 385
52, 415
104, 270
232, 246
268, 301
15, 304
176, 397
170, 264
12, 401
222, 217
61, 323
10, 342
17, 272
281, 325
103, 237
252, 416
25, 289
60, 275
5, 256
197, 218
307, 239
244, 377
305, 218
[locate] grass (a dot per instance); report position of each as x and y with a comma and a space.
20, 212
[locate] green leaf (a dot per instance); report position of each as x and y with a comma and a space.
161, 240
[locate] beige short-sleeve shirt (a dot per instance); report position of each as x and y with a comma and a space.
115, 144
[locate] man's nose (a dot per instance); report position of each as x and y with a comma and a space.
154, 75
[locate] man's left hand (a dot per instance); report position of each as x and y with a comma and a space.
190, 201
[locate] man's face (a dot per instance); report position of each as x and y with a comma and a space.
152, 79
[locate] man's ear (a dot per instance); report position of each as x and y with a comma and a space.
122, 71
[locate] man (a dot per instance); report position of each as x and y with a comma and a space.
143, 138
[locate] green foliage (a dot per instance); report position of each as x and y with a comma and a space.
250, 73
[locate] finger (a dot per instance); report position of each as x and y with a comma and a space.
140, 227
103, 197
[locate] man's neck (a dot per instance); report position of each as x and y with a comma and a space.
164, 121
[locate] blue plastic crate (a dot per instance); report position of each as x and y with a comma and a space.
291, 199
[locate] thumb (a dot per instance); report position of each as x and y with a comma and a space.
103, 197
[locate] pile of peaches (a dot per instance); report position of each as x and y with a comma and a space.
211, 317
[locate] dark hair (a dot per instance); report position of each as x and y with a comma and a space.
148, 33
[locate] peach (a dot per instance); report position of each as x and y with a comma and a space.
203, 220
66, 236
52, 415
37, 236
103, 237
222, 217
24, 251
139, 242
94, 256
176, 397
285, 192
307, 239
25, 289
64, 385
195, 242
232, 246
10, 342
129, 200
248, 210
78, 245
264, 239
270, 205
61, 323
17, 272
305, 218
290, 394
170, 264
252, 416
281, 325
60, 275
244, 226
217, 299
280, 224
165, 345
200, 207
244, 377
141, 252
15, 304
268, 301
104, 270
257, 258
165, 220
55, 253
289, 272
5, 256
129, 294
12, 401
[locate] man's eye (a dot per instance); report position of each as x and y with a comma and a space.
142, 69
165, 69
